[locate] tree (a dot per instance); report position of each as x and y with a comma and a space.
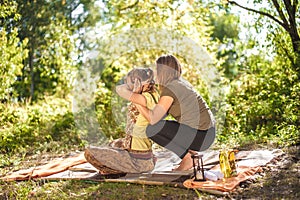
263, 104
226, 30
12, 53
286, 14
50, 28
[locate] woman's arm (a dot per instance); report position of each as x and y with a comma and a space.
158, 112
124, 92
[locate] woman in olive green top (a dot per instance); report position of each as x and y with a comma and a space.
194, 127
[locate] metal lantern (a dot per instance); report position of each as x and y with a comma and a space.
198, 167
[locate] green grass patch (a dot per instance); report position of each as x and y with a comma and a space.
75, 189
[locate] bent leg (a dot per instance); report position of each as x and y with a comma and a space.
103, 169
209, 139
178, 138
118, 160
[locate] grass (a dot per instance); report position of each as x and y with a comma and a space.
75, 189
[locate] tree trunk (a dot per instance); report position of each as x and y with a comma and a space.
296, 47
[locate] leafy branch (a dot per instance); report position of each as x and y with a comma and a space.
260, 12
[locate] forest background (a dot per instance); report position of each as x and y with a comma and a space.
60, 62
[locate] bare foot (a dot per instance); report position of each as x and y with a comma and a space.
185, 164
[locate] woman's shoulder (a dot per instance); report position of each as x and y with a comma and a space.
173, 83
178, 84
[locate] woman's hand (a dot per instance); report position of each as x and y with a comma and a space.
124, 92
158, 112
137, 86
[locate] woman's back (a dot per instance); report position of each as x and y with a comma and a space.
188, 106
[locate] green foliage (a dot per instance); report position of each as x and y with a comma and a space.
12, 53
8, 9
226, 30
84, 190
283, 17
225, 26
55, 67
264, 106
263, 103
28, 129
49, 27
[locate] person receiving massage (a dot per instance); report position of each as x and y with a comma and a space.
192, 130
133, 153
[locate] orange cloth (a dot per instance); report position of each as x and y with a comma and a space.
227, 184
53, 167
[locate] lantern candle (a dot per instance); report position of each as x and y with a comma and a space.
198, 167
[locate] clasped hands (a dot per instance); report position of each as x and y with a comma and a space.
138, 86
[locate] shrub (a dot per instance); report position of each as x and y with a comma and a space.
28, 128
264, 107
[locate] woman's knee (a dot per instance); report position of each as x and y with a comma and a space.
153, 130
209, 139
150, 131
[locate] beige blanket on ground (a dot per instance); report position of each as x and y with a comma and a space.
248, 162
52, 167
226, 184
